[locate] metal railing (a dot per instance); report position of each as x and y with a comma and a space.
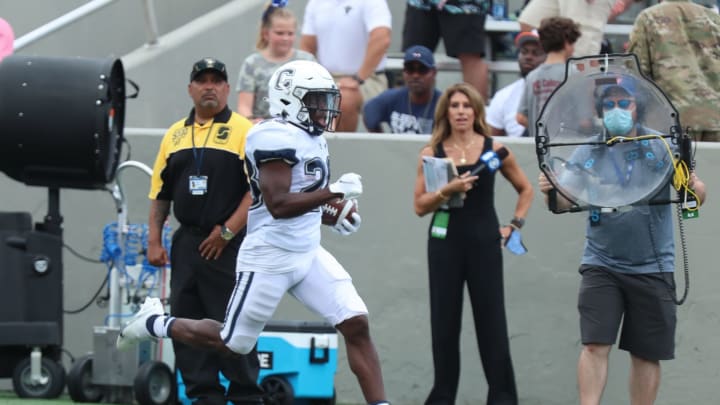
81, 12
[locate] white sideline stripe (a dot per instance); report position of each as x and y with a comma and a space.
181, 35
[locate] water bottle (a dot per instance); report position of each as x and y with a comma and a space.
499, 9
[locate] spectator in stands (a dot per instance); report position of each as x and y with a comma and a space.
677, 45
407, 109
502, 111
350, 38
7, 39
275, 46
557, 37
590, 15
461, 24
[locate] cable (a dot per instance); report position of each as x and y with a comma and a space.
67, 352
80, 256
129, 149
94, 297
681, 172
683, 249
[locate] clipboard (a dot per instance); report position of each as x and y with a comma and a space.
438, 172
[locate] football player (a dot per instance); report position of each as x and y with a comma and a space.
287, 166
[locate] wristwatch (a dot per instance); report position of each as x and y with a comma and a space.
226, 233
518, 222
358, 79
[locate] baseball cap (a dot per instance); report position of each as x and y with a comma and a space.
208, 64
420, 54
623, 85
525, 37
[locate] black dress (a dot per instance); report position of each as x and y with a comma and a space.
470, 254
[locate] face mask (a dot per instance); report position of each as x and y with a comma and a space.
618, 121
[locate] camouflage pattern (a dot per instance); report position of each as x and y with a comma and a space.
678, 46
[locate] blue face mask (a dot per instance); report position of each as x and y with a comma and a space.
618, 121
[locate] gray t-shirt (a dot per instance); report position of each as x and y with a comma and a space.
641, 239
254, 75
539, 84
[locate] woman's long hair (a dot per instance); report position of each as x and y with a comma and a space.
441, 126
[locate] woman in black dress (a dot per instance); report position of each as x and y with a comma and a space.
464, 245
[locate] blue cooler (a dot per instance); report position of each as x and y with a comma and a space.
298, 360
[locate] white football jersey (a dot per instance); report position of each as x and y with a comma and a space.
308, 156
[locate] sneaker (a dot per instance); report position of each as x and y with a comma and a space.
136, 329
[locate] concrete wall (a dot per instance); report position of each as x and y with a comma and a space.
387, 261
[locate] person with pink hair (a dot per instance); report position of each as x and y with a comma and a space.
7, 39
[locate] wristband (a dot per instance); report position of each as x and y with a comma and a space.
442, 196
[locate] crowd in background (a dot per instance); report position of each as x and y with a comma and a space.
352, 40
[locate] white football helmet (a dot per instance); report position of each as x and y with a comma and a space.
305, 94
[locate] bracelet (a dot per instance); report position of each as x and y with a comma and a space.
517, 223
442, 196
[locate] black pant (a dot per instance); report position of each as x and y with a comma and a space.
452, 264
200, 289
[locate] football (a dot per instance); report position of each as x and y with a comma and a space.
335, 211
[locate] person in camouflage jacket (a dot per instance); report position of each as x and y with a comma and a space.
678, 45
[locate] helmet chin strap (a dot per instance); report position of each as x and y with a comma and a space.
308, 127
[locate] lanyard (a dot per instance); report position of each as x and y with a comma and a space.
198, 156
618, 171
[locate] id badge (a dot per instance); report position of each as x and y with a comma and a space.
440, 225
198, 185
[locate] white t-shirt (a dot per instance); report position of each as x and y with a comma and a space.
342, 28
308, 155
502, 111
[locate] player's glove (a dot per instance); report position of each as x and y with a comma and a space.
348, 185
346, 227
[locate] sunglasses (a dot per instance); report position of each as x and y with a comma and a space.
624, 103
422, 69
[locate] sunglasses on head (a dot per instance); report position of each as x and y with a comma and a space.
624, 103
416, 68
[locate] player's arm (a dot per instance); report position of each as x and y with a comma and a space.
275, 177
